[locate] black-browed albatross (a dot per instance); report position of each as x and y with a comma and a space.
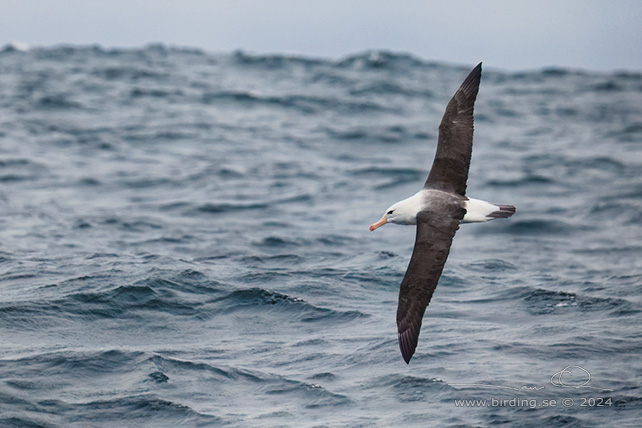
437, 210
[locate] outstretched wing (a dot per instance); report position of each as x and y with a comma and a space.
449, 170
435, 232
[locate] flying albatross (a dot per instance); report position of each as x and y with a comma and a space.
437, 210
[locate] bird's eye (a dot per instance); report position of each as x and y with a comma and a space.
389, 212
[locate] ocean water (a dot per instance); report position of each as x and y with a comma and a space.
184, 243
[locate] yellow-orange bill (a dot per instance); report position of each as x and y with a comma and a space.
380, 223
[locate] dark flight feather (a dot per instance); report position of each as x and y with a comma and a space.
435, 232
449, 170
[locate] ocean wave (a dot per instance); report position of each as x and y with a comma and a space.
179, 295
256, 300
381, 60
5, 257
534, 227
130, 73
155, 93
607, 86
238, 380
389, 88
628, 133
543, 301
14, 178
390, 175
309, 394
58, 102
223, 207
233, 206
126, 224
145, 407
15, 47
308, 104
16, 170
63, 51
279, 242
272, 62
615, 208
125, 397
491, 265
385, 134
314, 395
412, 388
17, 162
151, 295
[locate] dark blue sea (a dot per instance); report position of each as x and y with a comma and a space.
184, 243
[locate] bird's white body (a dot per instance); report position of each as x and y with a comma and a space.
405, 211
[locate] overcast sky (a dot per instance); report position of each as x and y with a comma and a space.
509, 34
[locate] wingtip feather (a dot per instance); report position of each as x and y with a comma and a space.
471, 83
407, 344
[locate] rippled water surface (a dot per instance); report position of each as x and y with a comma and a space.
184, 242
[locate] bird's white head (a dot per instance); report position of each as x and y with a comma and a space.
403, 212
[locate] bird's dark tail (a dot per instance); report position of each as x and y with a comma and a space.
504, 211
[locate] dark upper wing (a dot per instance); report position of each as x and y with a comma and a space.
435, 232
449, 170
